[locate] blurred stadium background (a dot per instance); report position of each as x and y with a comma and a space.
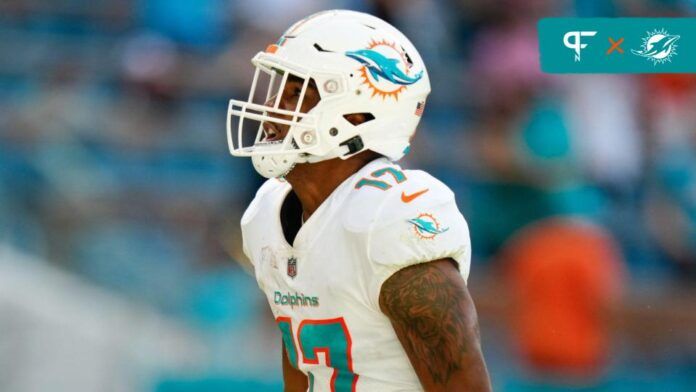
119, 203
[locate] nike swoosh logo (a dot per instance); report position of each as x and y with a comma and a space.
409, 198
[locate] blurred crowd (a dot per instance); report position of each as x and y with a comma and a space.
114, 167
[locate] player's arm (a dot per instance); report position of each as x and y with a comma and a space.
434, 318
293, 379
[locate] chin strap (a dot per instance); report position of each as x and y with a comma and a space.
282, 176
354, 144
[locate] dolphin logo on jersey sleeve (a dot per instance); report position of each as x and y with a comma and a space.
426, 226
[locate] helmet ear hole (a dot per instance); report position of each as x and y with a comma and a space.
358, 118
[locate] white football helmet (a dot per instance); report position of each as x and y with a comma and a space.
360, 64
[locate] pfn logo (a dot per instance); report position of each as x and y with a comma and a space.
576, 43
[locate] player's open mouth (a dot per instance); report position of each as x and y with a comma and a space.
270, 132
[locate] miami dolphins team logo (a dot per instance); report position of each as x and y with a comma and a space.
385, 68
426, 226
659, 46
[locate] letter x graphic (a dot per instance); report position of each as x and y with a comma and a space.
615, 45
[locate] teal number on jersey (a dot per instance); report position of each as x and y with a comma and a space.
285, 326
398, 175
375, 183
330, 337
311, 381
333, 339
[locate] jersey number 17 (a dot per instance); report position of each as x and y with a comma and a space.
328, 336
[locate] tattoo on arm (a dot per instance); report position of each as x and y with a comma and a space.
434, 317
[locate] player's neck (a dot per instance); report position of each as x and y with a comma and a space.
314, 182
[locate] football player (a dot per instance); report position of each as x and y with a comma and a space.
363, 263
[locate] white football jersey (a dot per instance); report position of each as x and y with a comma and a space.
324, 288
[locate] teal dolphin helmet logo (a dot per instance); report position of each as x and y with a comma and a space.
426, 226
380, 66
659, 46
385, 68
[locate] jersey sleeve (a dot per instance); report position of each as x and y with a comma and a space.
412, 228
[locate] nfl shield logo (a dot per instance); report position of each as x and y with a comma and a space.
292, 267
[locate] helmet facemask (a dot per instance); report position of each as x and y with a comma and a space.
256, 122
